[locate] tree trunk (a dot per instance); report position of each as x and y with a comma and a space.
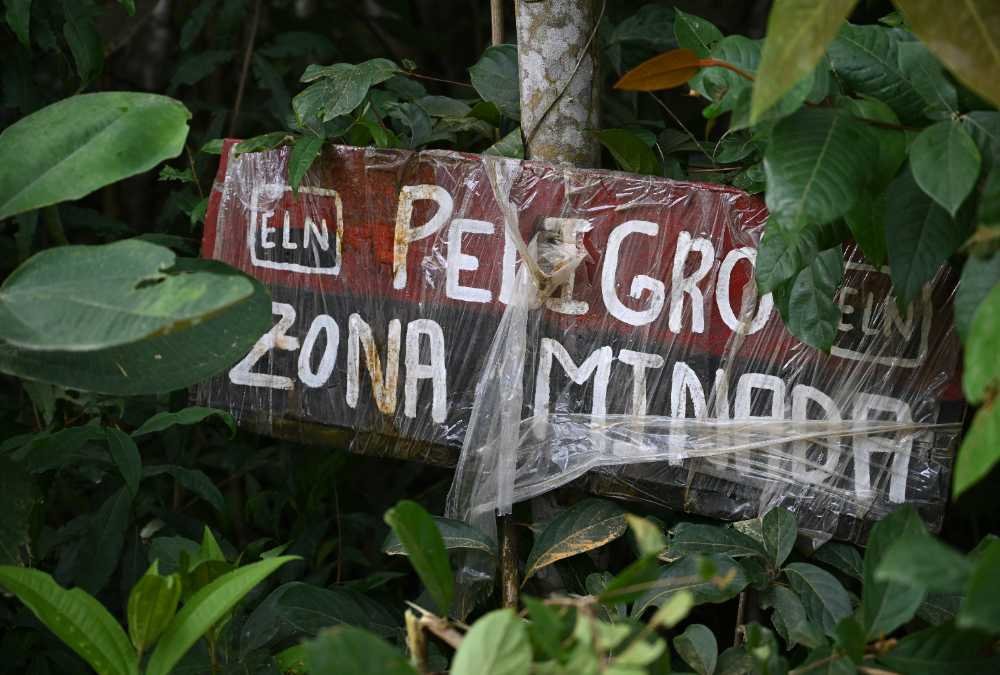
557, 53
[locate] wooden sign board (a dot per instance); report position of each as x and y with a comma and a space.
390, 272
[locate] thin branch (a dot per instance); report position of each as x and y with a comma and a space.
411, 73
247, 53
496, 22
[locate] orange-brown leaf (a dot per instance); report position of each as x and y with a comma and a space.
665, 71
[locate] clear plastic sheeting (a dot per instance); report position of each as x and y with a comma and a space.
556, 323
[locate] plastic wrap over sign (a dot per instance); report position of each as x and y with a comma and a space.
556, 324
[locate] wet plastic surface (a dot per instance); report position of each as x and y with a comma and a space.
555, 323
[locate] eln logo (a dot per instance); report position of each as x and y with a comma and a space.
284, 233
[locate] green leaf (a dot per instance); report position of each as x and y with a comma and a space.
76, 618
347, 650
726, 89
161, 362
966, 38
798, 32
167, 551
648, 536
842, 557
942, 649
945, 163
734, 661
586, 525
495, 77
695, 33
866, 220
423, 544
813, 313
980, 448
296, 610
262, 143
779, 528
152, 604
125, 455
454, 533
790, 620
816, 165
980, 609
18, 18
919, 560
75, 146
204, 609
685, 575
784, 252
19, 497
650, 27
497, 644
629, 150
920, 235
191, 479
866, 59
511, 145
982, 367
185, 417
195, 67
103, 542
304, 153
48, 303
695, 538
83, 40
698, 648
673, 611
891, 142
886, 605
927, 76
824, 598
630, 583
850, 639
339, 90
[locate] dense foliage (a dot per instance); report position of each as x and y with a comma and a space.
191, 546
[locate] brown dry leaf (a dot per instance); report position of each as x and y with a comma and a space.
665, 71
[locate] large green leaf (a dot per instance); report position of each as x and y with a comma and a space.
928, 78
185, 417
919, 560
790, 619
942, 649
204, 609
966, 37
824, 598
152, 603
798, 32
982, 367
586, 525
687, 575
945, 163
87, 298
497, 644
423, 544
162, 362
629, 151
338, 89
455, 534
695, 538
348, 650
842, 557
980, 449
920, 235
698, 648
816, 164
891, 141
980, 608
103, 542
75, 146
779, 530
304, 153
866, 58
496, 79
76, 618
19, 18
125, 454
695, 33
813, 314
886, 605
19, 497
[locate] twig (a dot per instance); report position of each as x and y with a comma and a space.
194, 171
247, 53
677, 121
496, 22
508, 561
412, 73
438, 626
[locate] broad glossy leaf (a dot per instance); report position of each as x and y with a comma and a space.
920, 235
922, 561
495, 77
866, 58
842, 557
813, 313
455, 534
664, 71
816, 165
103, 542
50, 302
886, 605
76, 618
698, 648
152, 603
184, 417
194, 480
204, 609
304, 153
734, 661
629, 150
695, 33
728, 90
866, 220
980, 609
891, 142
511, 145
497, 644
296, 610
125, 455
790, 620
824, 598
586, 525
685, 575
980, 449
942, 649
347, 650
982, 367
927, 76
984, 127
71, 148
339, 89
19, 497
695, 538
422, 541
966, 38
798, 32
785, 251
779, 530
945, 163
162, 362
651, 27
83, 40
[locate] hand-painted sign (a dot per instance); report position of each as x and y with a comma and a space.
390, 272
